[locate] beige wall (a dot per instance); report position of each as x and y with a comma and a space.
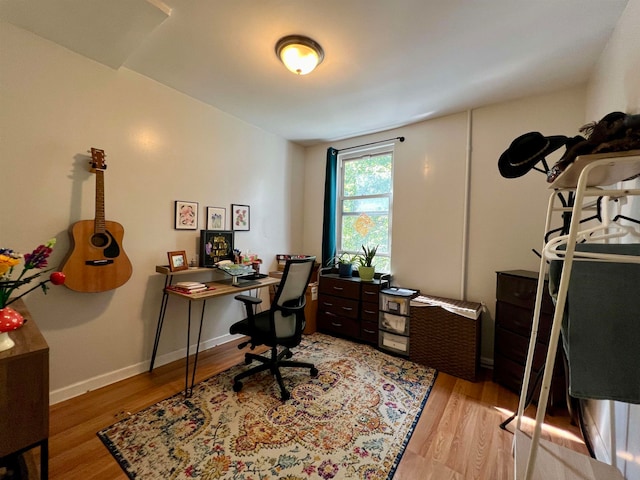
161, 146
430, 247
505, 217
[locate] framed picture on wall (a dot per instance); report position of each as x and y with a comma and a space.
215, 246
186, 215
216, 218
240, 217
178, 261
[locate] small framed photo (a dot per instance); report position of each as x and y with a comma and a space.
240, 217
186, 215
216, 218
178, 261
215, 245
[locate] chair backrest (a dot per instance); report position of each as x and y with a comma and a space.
291, 292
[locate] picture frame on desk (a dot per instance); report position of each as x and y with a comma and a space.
215, 246
186, 215
216, 218
240, 217
178, 261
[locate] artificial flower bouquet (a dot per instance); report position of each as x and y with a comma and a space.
36, 260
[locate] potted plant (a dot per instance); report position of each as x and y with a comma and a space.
345, 264
367, 269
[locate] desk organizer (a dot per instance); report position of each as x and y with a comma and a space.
445, 335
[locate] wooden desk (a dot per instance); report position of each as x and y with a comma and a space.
217, 289
24, 392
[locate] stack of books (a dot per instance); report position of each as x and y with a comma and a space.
188, 287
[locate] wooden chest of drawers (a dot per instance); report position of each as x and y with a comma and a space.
24, 392
369, 308
348, 307
515, 301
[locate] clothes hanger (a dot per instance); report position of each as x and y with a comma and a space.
566, 216
622, 217
619, 231
600, 233
607, 230
629, 219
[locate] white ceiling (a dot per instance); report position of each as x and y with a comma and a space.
387, 63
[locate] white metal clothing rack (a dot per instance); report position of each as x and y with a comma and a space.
535, 458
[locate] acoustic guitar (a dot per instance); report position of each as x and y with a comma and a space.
96, 261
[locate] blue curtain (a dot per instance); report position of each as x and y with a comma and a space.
329, 219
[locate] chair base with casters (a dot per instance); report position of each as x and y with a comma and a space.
273, 363
280, 326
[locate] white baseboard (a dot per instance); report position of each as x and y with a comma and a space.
65, 393
486, 362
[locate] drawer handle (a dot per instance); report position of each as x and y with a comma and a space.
329, 314
370, 293
368, 331
336, 324
522, 294
347, 309
327, 304
369, 311
338, 288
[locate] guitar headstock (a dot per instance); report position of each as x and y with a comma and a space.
97, 159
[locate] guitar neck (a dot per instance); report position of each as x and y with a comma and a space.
100, 218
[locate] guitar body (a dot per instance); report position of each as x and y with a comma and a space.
96, 262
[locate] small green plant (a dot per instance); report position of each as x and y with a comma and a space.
366, 259
345, 259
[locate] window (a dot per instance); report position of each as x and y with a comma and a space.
365, 193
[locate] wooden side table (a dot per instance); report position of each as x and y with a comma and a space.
24, 392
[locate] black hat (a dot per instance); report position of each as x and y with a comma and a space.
527, 150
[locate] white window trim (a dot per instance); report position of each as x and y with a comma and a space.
354, 155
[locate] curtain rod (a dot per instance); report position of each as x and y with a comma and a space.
401, 139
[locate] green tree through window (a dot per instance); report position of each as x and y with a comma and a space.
365, 193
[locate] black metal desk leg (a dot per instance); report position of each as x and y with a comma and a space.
195, 361
163, 310
156, 342
187, 393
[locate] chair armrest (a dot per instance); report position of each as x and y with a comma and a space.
249, 302
248, 299
292, 306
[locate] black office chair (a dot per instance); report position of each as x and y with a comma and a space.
281, 325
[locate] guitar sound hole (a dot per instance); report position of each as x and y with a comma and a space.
99, 240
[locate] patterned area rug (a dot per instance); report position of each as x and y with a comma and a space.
353, 421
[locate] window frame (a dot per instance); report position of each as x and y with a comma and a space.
354, 155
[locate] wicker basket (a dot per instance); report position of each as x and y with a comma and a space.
445, 340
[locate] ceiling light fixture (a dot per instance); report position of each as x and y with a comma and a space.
299, 54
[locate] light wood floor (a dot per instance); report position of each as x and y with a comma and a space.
457, 437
